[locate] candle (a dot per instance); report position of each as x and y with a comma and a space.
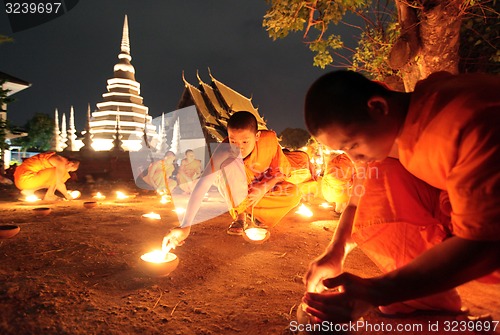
180, 210
75, 194
165, 198
158, 256
256, 234
152, 216
99, 196
120, 195
326, 205
31, 198
304, 211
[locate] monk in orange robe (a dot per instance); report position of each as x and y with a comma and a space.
160, 173
46, 170
250, 171
445, 133
189, 172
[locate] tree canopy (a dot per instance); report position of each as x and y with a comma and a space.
40, 129
396, 39
294, 138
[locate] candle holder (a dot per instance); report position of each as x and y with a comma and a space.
158, 264
42, 211
256, 235
151, 217
8, 230
90, 204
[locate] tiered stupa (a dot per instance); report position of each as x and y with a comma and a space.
122, 101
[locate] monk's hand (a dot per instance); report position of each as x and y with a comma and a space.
175, 238
255, 193
325, 266
346, 300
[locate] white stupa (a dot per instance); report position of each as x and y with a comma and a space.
123, 100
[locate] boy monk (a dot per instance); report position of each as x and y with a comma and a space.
250, 172
160, 173
46, 170
447, 134
189, 172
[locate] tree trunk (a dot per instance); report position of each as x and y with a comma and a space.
438, 32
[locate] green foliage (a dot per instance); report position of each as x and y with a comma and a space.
480, 40
294, 138
378, 31
315, 17
40, 130
373, 50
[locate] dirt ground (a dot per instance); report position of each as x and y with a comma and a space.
76, 271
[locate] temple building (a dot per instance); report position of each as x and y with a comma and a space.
123, 104
215, 103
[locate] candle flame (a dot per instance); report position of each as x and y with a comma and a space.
121, 195
180, 210
31, 198
75, 194
158, 256
99, 196
326, 205
152, 215
165, 199
256, 234
304, 211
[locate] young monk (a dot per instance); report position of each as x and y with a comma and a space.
189, 172
250, 172
46, 170
160, 173
445, 133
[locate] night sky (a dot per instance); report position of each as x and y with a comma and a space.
69, 59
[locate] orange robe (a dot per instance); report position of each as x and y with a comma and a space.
338, 178
266, 160
158, 172
451, 140
27, 177
186, 173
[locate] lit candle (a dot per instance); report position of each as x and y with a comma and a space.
158, 256
99, 196
75, 194
152, 215
304, 211
121, 195
165, 199
180, 210
256, 234
326, 205
31, 198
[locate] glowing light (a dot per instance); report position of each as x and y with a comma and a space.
121, 196
75, 194
31, 198
180, 210
165, 199
152, 216
99, 196
304, 211
326, 205
158, 256
256, 234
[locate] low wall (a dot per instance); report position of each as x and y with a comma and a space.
107, 165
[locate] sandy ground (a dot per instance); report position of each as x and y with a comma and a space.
77, 271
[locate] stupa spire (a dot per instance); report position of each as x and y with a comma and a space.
125, 39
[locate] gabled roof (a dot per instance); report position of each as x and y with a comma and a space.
13, 84
215, 103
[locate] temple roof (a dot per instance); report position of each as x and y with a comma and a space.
215, 103
13, 84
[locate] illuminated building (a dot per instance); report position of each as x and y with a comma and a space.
122, 100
